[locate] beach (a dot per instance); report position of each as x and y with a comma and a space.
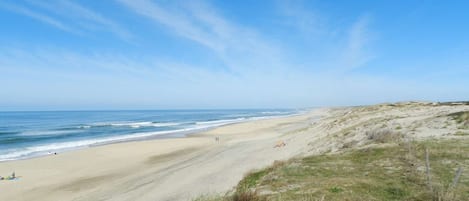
163, 169
213, 162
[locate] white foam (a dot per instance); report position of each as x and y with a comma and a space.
162, 124
138, 124
275, 112
43, 149
224, 121
47, 132
85, 126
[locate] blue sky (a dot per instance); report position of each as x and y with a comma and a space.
139, 54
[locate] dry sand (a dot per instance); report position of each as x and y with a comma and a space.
182, 169
168, 169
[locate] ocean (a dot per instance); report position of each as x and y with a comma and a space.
31, 134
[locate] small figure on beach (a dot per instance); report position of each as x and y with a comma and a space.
217, 139
13, 175
280, 143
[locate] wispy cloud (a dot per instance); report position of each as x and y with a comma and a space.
357, 51
307, 21
340, 47
199, 22
68, 16
83, 17
175, 20
38, 16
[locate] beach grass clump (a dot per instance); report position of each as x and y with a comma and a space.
247, 196
461, 118
252, 179
238, 195
394, 172
350, 144
383, 135
210, 198
461, 133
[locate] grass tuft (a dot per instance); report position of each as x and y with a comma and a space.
461, 118
247, 196
383, 136
460, 133
335, 189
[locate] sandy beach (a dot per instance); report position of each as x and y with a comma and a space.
165, 169
184, 168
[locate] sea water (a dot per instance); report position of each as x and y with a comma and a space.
30, 134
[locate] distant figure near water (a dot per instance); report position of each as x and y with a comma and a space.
217, 139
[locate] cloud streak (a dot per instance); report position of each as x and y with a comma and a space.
181, 24
199, 22
83, 17
70, 17
357, 51
38, 16
308, 22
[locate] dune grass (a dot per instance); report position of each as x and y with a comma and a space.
461, 118
384, 172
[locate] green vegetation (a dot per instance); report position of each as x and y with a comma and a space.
389, 172
236, 196
249, 182
460, 133
461, 118
383, 136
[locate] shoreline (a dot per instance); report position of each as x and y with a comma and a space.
197, 165
74, 174
152, 135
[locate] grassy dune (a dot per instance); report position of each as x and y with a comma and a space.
383, 157
380, 172
392, 172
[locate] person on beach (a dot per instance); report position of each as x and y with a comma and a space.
280, 144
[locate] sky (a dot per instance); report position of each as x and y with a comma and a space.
209, 54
